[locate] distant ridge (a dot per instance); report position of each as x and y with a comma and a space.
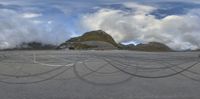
151, 47
33, 46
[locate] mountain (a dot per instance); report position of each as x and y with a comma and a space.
34, 46
91, 40
98, 35
197, 50
95, 40
151, 46
103, 41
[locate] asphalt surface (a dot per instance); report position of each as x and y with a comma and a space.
99, 75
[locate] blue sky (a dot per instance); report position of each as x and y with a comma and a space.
55, 21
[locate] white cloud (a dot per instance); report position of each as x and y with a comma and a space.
180, 32
31, 15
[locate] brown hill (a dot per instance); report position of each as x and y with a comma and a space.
91, 40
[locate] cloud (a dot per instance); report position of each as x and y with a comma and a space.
18, 27
54, 21
180, 32
31, 15
139, 9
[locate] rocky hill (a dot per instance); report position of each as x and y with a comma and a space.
91, 40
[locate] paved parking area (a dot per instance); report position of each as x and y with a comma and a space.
99, 75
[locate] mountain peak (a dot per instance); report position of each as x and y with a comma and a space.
93, 39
